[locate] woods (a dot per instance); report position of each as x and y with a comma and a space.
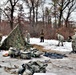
33, 15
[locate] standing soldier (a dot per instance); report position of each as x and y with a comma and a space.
60, 38
27, 37
42, 36
74, 42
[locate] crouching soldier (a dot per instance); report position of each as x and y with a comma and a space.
74, 42
42, 36
60, 39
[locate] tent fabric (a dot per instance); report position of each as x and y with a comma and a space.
14, 39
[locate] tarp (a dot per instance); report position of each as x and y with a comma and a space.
14, 39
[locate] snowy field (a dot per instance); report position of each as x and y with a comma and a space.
51, 44
65, 66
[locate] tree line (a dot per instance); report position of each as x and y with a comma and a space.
59, 12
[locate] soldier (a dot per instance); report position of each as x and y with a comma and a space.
74, 42
0, 37
27, 37
42, 36
60, 38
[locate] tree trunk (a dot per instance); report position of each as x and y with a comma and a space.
36, 15
30, 15
33, 22
66, 21
59, 22
11, 21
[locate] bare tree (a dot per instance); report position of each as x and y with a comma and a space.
9, 11
47, 15
37, 7
21, 15
62, 6
70, 9
43, 11
58, 9
33, 6
54, 11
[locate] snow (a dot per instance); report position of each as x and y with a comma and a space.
55, 66
10, 62
44, 74
52, 44
49, 44
3, 38
4, 52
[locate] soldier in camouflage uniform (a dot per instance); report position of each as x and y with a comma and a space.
27, 37
74, 42
60, 38
42, 36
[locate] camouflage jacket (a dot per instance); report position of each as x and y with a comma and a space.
41, 34
60, 37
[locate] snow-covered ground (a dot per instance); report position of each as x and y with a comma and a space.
52, 44
3, 38
65, 66
49, 44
